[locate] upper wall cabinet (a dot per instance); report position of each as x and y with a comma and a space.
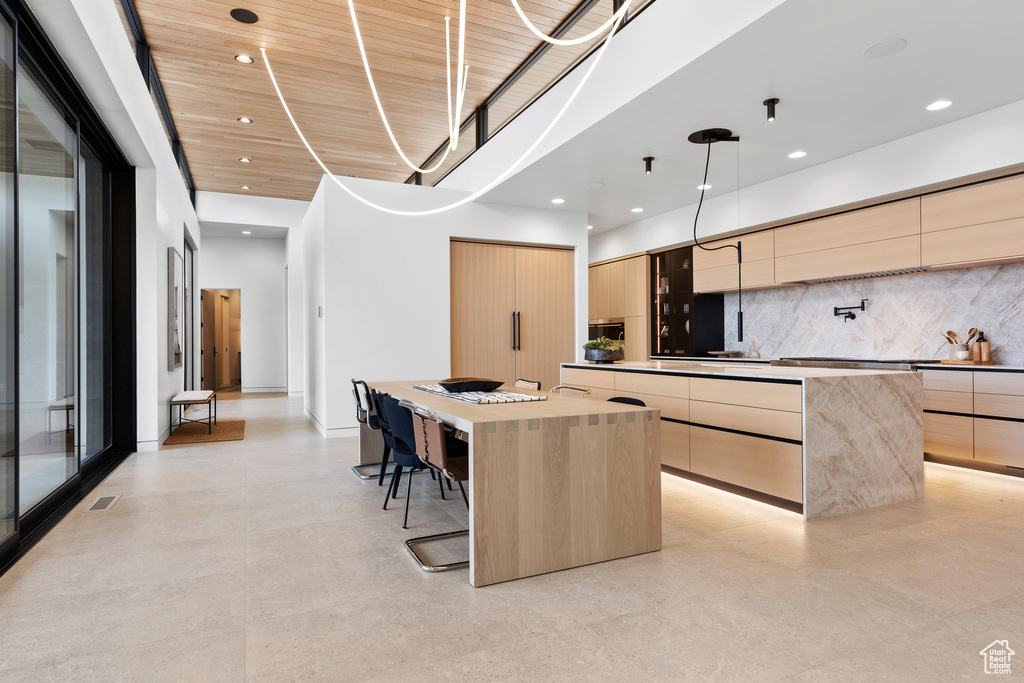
877, 239
607, 290
635, 286
975, 224
716, 271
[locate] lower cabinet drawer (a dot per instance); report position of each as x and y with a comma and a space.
770, 395
999, 442
675, 445
949, 435
949, 401
675, 408
588, 378
999, 405
771, 467
778, 423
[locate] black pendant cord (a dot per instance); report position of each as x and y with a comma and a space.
738, 247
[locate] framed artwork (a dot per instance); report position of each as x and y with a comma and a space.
175, 307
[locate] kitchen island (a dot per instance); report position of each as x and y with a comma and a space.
818, 440
553, 484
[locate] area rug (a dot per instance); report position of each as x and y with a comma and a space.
224, 430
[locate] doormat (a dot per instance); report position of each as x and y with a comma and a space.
224, 430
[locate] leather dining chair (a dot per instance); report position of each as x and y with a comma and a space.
627, 400
527, 384
449, 457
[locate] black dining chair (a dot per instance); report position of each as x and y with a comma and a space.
366, 413
628, 400
403, 450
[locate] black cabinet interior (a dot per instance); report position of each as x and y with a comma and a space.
682, 323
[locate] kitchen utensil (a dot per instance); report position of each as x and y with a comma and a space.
457, 384
946, 337
952, 336
971, 334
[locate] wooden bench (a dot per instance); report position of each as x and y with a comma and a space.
185, 399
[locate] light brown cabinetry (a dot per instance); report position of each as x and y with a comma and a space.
619, 289
511, 311
773, 467
876, 239
716, 271
988, 424
607, 290
974, 224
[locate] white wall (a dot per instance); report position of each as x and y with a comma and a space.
313, 291
90, 38
264, 215
386, 284
993, 139
256, 267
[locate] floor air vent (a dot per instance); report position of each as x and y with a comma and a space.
103, 503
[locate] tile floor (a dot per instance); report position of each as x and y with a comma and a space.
267, 560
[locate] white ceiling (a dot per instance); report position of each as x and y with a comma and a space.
217, 229
834, 102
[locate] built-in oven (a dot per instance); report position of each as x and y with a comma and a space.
613, 328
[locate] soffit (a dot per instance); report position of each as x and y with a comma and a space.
313, 51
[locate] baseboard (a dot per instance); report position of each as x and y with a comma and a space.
295, 393
336, 433
264, 390
146, 446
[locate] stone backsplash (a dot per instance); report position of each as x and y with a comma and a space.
903, 318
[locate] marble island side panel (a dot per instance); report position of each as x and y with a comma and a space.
863, 442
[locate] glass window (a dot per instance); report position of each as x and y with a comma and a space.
47, 144
8, 300
93, 247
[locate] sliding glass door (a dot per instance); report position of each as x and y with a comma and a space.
9, 299
47, 308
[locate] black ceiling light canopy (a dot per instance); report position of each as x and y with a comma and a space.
708, 136
245, 16
770, 103
647, 164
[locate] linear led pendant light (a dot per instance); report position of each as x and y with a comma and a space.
707, 137
487, 188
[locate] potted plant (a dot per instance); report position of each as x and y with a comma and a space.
603, 350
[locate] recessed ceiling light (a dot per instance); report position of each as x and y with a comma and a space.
594, 185
703, 187
244, 59
244, 119
246, 232
246, 160
590, 227
558, 200
937, 105
246, 187
884, 48
637, 210
797, 154
245, 16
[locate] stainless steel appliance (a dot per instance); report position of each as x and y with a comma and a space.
613, 328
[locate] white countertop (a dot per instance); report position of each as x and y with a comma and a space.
714, 368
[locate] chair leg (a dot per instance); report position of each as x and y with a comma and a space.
464, 494
440, 485
398, 480
384, 464
450, 484
398, 470
408, 495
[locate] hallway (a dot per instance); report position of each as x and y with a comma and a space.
267, 560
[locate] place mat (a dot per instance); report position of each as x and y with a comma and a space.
498, 396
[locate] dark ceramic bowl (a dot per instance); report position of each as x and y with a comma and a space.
457, 384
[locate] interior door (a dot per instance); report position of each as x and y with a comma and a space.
482, 305
225, 337
209, 329
545, 304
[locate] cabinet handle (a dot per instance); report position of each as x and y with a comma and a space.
513, 330
519, 332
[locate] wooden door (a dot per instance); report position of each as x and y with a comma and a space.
545, 303
482, 304
209, 327
224, 330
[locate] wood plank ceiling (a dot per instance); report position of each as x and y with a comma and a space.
313, 50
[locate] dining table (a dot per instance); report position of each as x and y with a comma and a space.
558, 482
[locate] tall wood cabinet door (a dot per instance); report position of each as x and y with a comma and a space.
636, 286
483, 301
545, 302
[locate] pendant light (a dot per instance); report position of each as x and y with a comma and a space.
707, 137
647, 164
770, 103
